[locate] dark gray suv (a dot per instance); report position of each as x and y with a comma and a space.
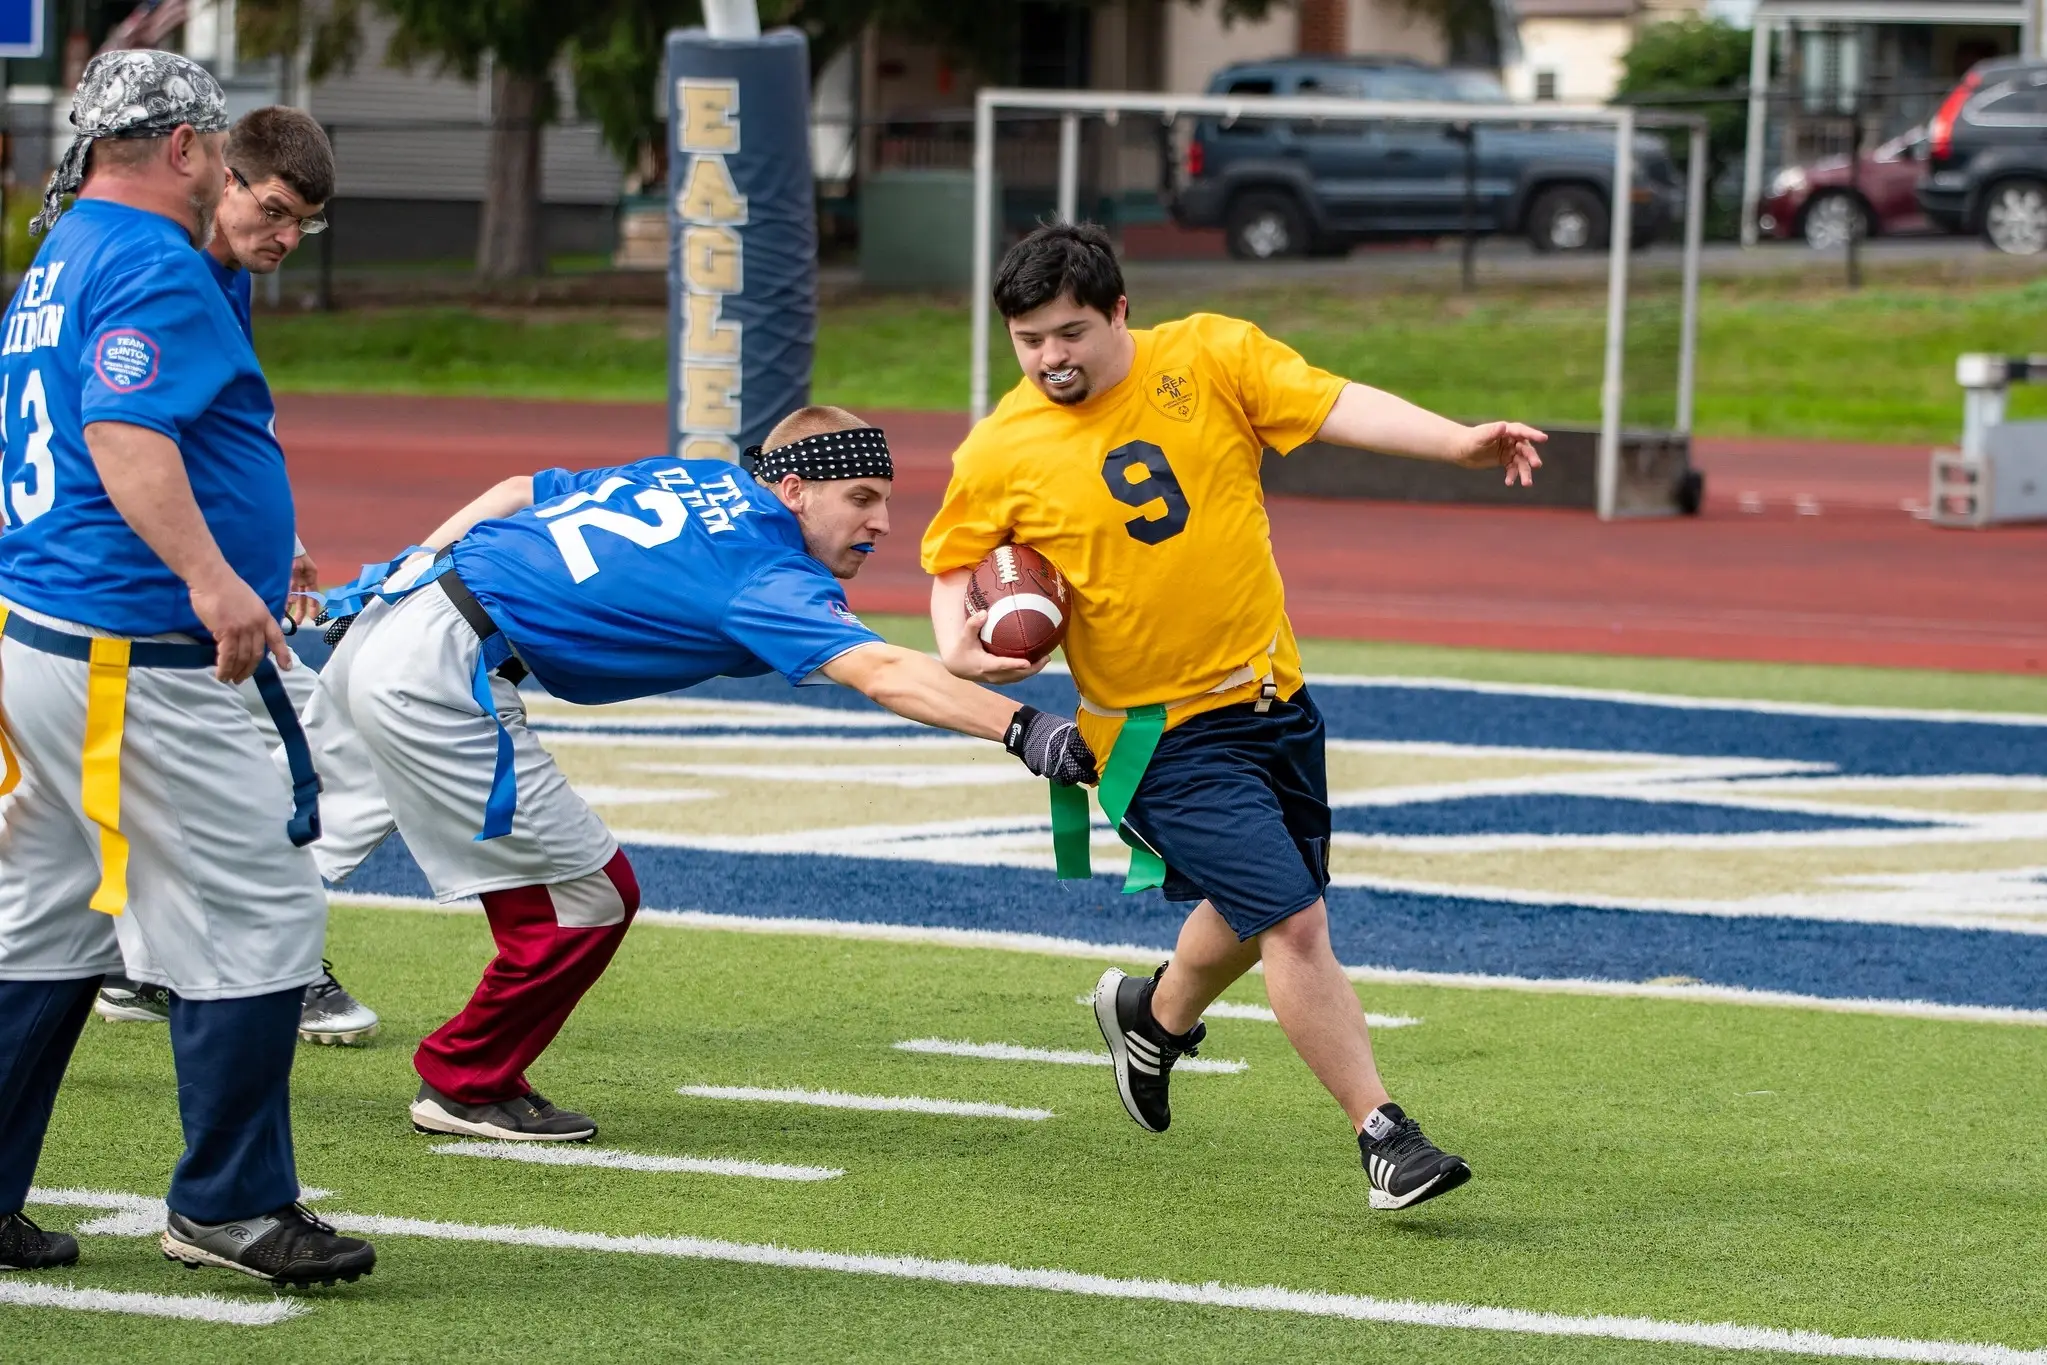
1986, 168
1291, 188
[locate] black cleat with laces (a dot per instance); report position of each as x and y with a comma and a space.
24, 1246
1141, 1053
1405, 1167
288, 1247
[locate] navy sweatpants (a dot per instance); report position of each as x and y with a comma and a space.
234, 1093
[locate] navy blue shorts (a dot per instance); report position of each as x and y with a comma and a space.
1237, 803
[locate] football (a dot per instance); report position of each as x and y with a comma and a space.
1025, 598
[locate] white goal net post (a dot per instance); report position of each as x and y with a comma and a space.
1071, 106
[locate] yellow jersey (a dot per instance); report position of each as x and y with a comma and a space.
1147, 498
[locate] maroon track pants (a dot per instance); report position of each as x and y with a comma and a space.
542, 969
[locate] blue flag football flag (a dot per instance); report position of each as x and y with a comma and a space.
742, 268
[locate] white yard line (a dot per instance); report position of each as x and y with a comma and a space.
18, 1293
1725, 1336
1010, 1052
834, 1099
1125, 953
1229, 1009
1681, 703
613, 1160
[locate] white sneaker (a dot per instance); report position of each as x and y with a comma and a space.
332, 1016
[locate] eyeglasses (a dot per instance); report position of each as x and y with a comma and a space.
278, 217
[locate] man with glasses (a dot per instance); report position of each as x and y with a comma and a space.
280, 174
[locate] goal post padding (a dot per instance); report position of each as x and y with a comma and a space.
742, 263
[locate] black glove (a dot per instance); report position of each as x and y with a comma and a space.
1050, 746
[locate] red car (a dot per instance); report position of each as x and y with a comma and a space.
1818, 203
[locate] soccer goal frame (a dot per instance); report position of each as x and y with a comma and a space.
1070, 107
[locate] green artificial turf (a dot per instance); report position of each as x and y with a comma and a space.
1777, 357
1847, 1174
1827, 684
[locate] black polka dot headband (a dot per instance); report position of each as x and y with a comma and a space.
861, 453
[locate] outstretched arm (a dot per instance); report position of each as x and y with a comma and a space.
919, 688
500, 500
1370, 419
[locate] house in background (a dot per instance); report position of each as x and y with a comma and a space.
1828, 75
1571, 50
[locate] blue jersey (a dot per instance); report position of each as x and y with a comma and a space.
240, 295
656, 576
120, 320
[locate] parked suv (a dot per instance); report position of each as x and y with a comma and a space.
1986, 168
1294, 187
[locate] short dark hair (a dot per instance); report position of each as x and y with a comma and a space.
283, 143
1059, 260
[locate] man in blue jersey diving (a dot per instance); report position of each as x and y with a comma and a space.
605, 585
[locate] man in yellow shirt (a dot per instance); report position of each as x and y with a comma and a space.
1130, 459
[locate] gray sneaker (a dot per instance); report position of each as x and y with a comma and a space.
332, 1016
522, 1118
122, 1001
287, 1247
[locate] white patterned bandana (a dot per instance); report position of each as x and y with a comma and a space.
139, 92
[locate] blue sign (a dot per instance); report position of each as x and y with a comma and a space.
742, 266
21, 28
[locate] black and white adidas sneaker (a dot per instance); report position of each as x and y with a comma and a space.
1141, 1053
1405, 1167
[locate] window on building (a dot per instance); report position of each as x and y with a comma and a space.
1545, 85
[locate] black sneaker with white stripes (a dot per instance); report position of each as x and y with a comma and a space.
1141, 1053
24, 1246
287, 1247
1405, 1167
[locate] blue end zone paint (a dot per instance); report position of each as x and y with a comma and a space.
1854, 745
1585, 815
1421, 932
1418, 932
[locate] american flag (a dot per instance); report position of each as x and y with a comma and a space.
151, 22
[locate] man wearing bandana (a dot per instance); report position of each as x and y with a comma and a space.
606, 585
146, 562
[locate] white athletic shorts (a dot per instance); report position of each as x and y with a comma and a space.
400, 681
220, 905
354, 817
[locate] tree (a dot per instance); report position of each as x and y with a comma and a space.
618, 61
1672, 64
615, 50
520, 40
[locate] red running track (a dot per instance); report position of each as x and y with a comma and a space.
1826, 565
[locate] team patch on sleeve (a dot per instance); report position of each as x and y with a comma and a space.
127, 359
845, 613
